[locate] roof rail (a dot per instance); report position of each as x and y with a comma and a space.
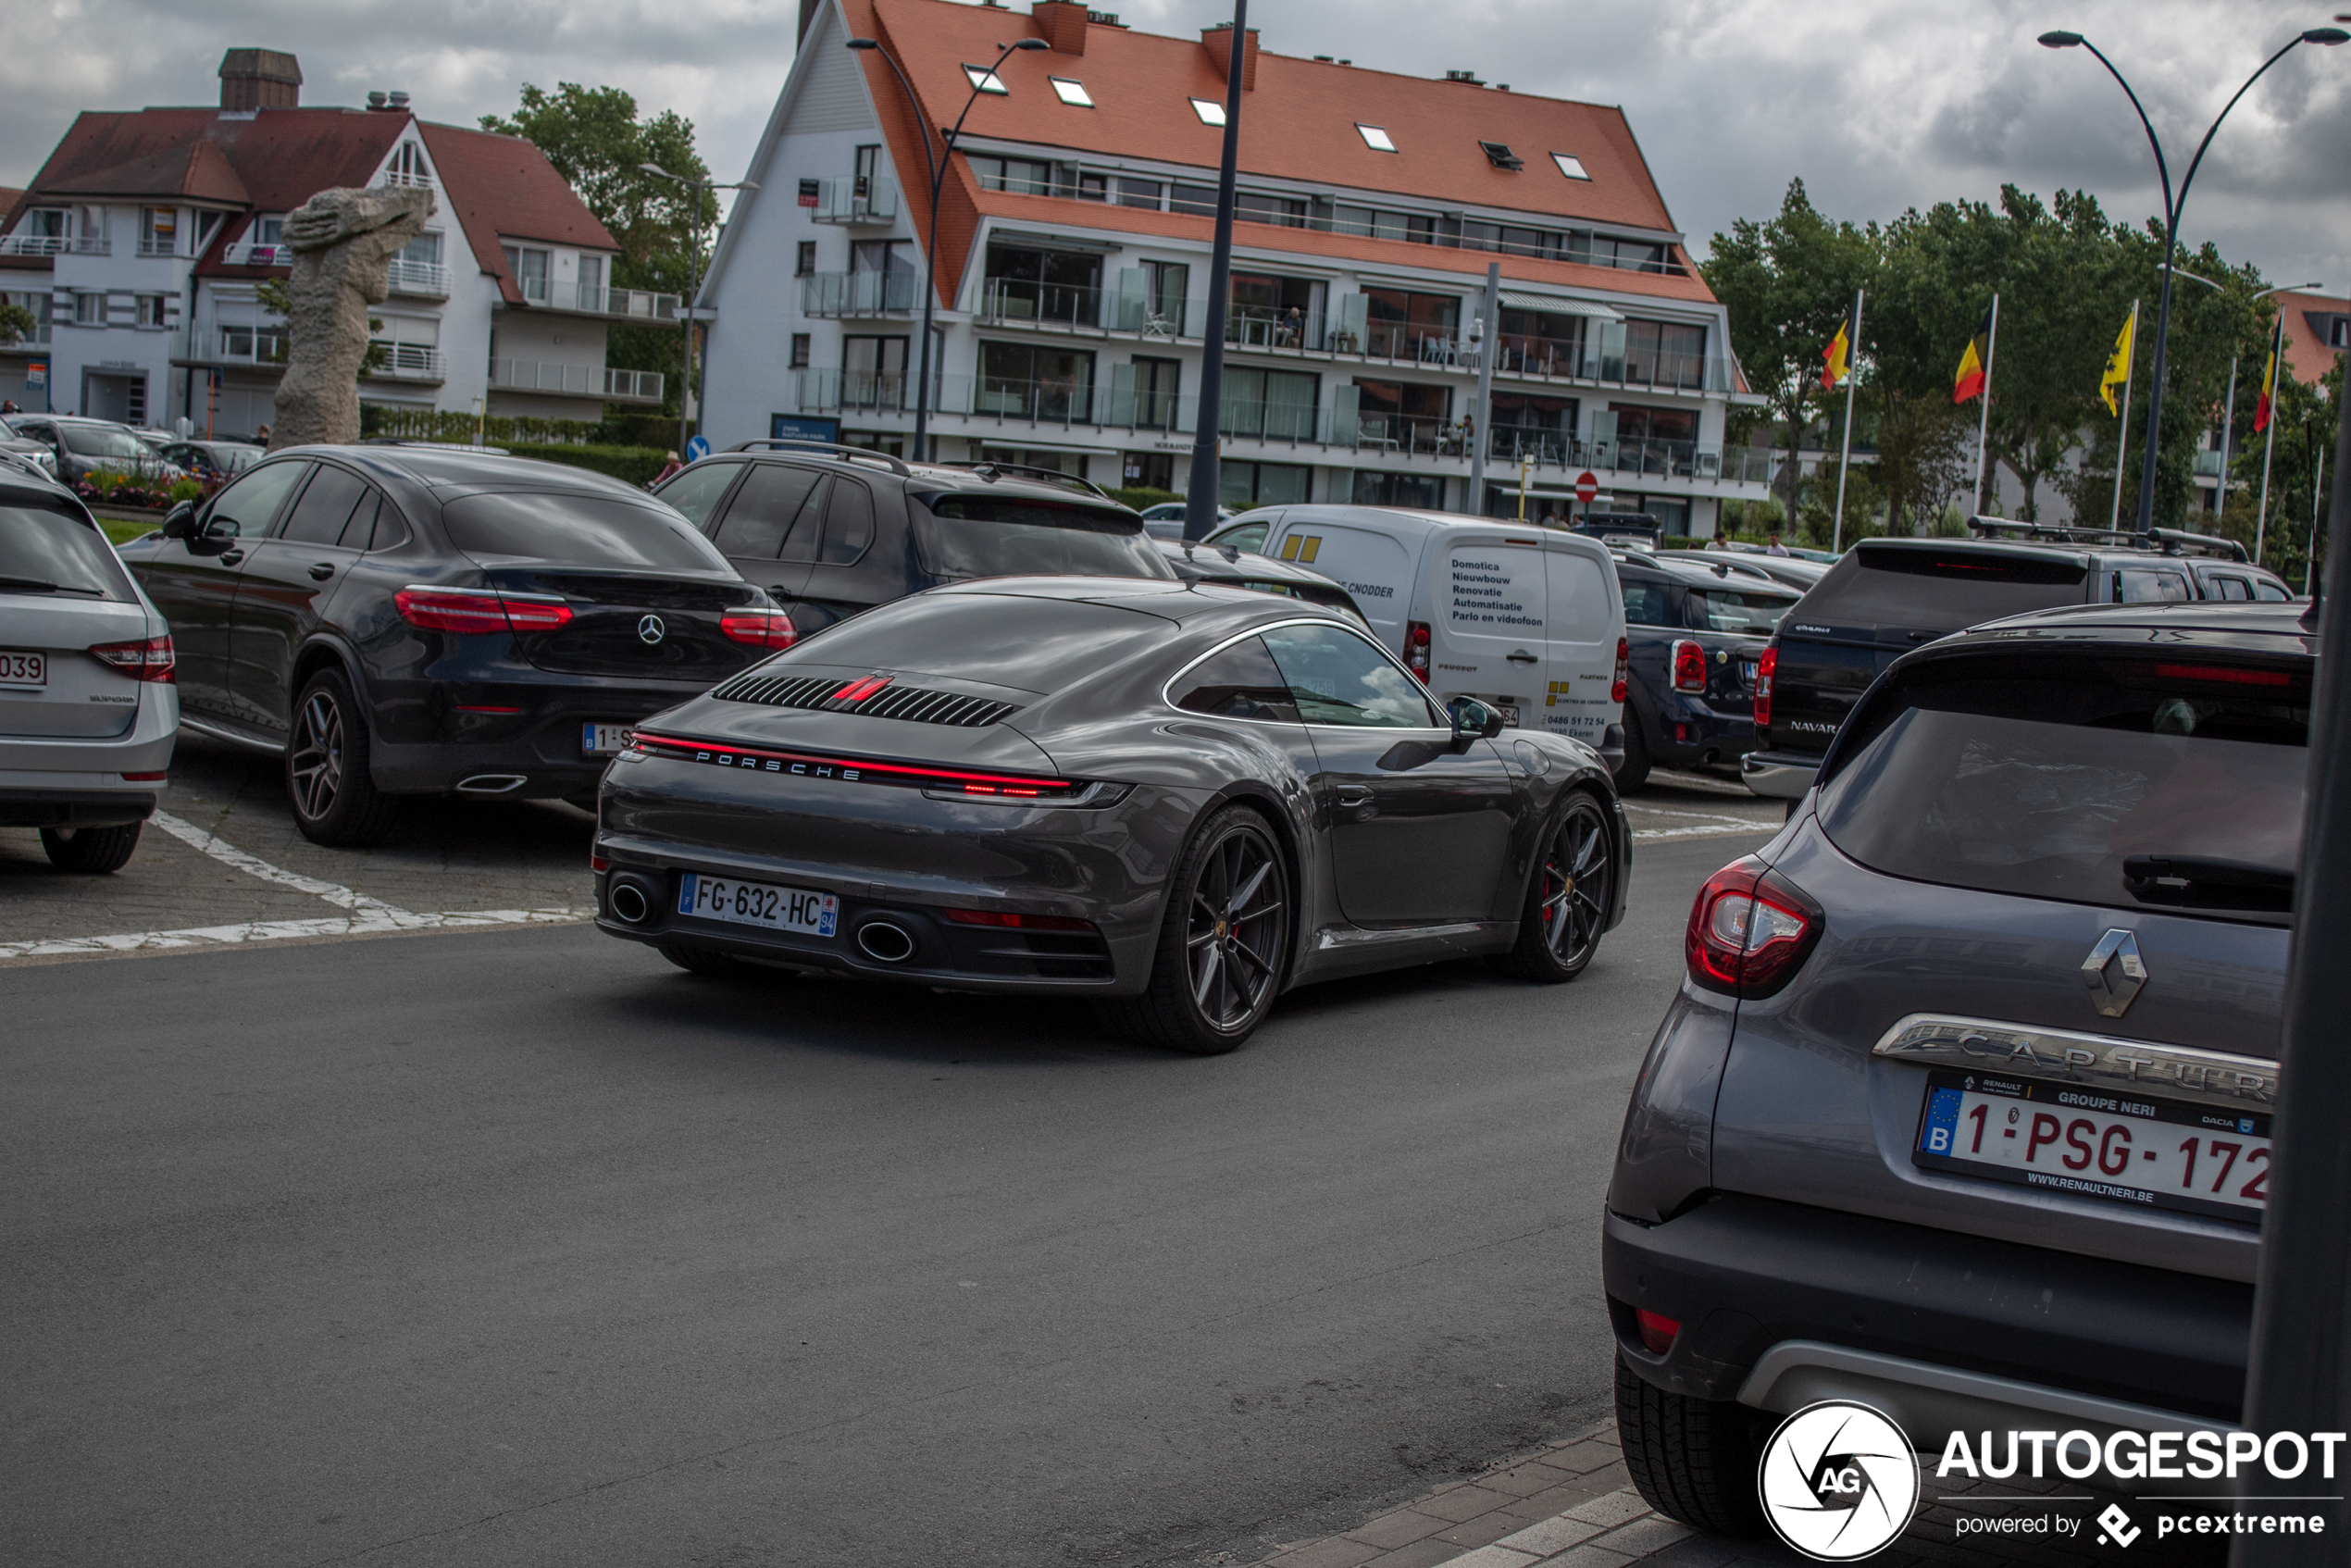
828, 448
989, 469
2179, 541
2052, 533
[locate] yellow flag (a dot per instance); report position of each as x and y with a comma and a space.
2118, 369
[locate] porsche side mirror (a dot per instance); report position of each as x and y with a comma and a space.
1473, 720
180, 521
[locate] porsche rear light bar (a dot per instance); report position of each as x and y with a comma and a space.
856, 770
476, 611
150, 658
1689, 667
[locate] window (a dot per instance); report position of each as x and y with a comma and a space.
90, 310
1414, 227
1083, 184
1649, 603
39, 545
407, 166
760, 517
1140, 193
1284, 312
873, 371
268, 231
699, 487
881, 256
206, 223
528, 267
804, 258
1374, 138
1262, 484
1209, 112
1753, 612
158, 230
150, 308
799, 352
983, 79
1337, 678
1035, 382
424, 248
1041, 285
1399, 322
93, 227
1665, 353
1070, 92
1278, 404
1249, 206
1499, 154
2232, 588
2339, 332
1570, 165
1168, 282
848, 523
326, 506
1636, 422
47, 223
1398, 490
578, 530
1240, 683
964, 536
868, 165
1022, 177
591, 282
2133, 586
246, 508
1158, 388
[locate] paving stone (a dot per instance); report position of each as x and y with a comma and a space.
1336, 1552
1645, 1536
1464, 1502
1612, 1508
1525, 1480
1400, 1528
1579, 1458
1491, 1557
1555, 1500
1587, 1556
1552, 1534
1485, 1527
1420, 1554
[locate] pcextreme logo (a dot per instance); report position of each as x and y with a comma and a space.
1838, 1481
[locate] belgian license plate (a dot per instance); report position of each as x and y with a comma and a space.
1746, 670
602, 739
23, 669
1510, 714
758, 904
2098, 1143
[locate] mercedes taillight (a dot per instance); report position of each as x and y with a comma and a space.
761, 629
1750, 930
1416, 649
1763, 668
1689, 667
479, 610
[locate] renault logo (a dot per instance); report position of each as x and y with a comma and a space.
650, 630
2114, 972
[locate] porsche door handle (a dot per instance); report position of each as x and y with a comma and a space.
322, 571
231, 557
1352, 795
1522, 656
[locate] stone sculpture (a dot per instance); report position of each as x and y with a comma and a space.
342, 241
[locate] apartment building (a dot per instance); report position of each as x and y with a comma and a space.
141, 246
1074, 232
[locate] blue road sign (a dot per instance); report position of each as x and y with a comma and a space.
697, 449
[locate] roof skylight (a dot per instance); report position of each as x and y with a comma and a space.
1071, 92
1499, 154
1376, 139
1209, 111
985, 80
1570, 165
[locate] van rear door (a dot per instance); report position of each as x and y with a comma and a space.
1584, 620
1375, 568
1485, 599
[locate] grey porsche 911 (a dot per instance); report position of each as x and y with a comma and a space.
1179, 799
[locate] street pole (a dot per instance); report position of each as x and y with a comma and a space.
1844, 458
1486, 334
1983, 417
2172, 206
2122, 428
2228, 431
2310, 553
686, 321
1200, 498
2269, 446
2299, 1377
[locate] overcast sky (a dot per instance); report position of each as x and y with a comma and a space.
1877, 105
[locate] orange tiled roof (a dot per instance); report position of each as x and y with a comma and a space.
504, 185
2307, 354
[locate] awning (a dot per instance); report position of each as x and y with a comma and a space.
1551, 306
1051, 242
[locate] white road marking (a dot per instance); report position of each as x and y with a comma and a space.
1692, 816
1765, 827
367, 915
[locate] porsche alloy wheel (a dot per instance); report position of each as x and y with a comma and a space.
1224, 943
1568, 898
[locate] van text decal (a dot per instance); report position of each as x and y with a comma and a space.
1487, 594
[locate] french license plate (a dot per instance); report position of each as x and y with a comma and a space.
2126, 1148
23, 669
758, 904
1510, 714
602, 739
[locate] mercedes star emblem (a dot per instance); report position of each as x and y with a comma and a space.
650, 630
2115, 972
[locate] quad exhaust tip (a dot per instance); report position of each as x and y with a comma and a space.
492, 784
629, 902
885, 943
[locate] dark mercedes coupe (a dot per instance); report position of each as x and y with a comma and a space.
1180, 798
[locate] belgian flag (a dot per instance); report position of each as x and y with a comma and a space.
2268, 405
1969, 382
1837, 358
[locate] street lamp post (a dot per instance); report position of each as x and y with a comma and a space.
938, 164
690, 390
2173, 204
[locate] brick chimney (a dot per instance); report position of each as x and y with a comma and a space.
1218, 42
259, 79
1063, 24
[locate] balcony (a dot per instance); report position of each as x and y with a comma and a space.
158, 248
258, 256
598, 382
34, 244
427, 280
92, 244
1019, 301
247, 345
846, 199
396, 178
408, 362
628, 305
859, 293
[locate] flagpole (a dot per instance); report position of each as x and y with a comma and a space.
2122, 431
1984, 424
2228, 431
2261, 517
2317, 483
1836, 538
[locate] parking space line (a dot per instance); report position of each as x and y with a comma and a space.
228, 853
1765, 827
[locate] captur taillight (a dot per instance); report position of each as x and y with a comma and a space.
1763, 670
1623, 670
1750, 930
1689, 667
1416, 649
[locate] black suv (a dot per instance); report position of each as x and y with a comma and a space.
831, 530
1889, 596
1696, 633
1963, 1110
407, 620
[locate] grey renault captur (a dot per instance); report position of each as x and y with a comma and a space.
1963, 1108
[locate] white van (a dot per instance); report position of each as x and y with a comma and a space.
1524, 619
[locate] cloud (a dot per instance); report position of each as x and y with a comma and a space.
1877, 105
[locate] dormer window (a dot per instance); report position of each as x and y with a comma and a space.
1071, 92
1499, 154
407, 166
1570, 165
985, 80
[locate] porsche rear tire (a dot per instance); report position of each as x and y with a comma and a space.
1224, 943
1568, 897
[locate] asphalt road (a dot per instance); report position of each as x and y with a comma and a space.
519, 1247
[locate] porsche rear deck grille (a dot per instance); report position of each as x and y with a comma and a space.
873, 697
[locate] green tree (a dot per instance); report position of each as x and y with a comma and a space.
1786, 283
17, 323
598, 142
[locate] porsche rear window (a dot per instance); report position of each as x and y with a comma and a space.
2074, 783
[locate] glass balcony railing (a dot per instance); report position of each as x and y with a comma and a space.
1017, 300
846, 199
576, 381
635, 304
859, 293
